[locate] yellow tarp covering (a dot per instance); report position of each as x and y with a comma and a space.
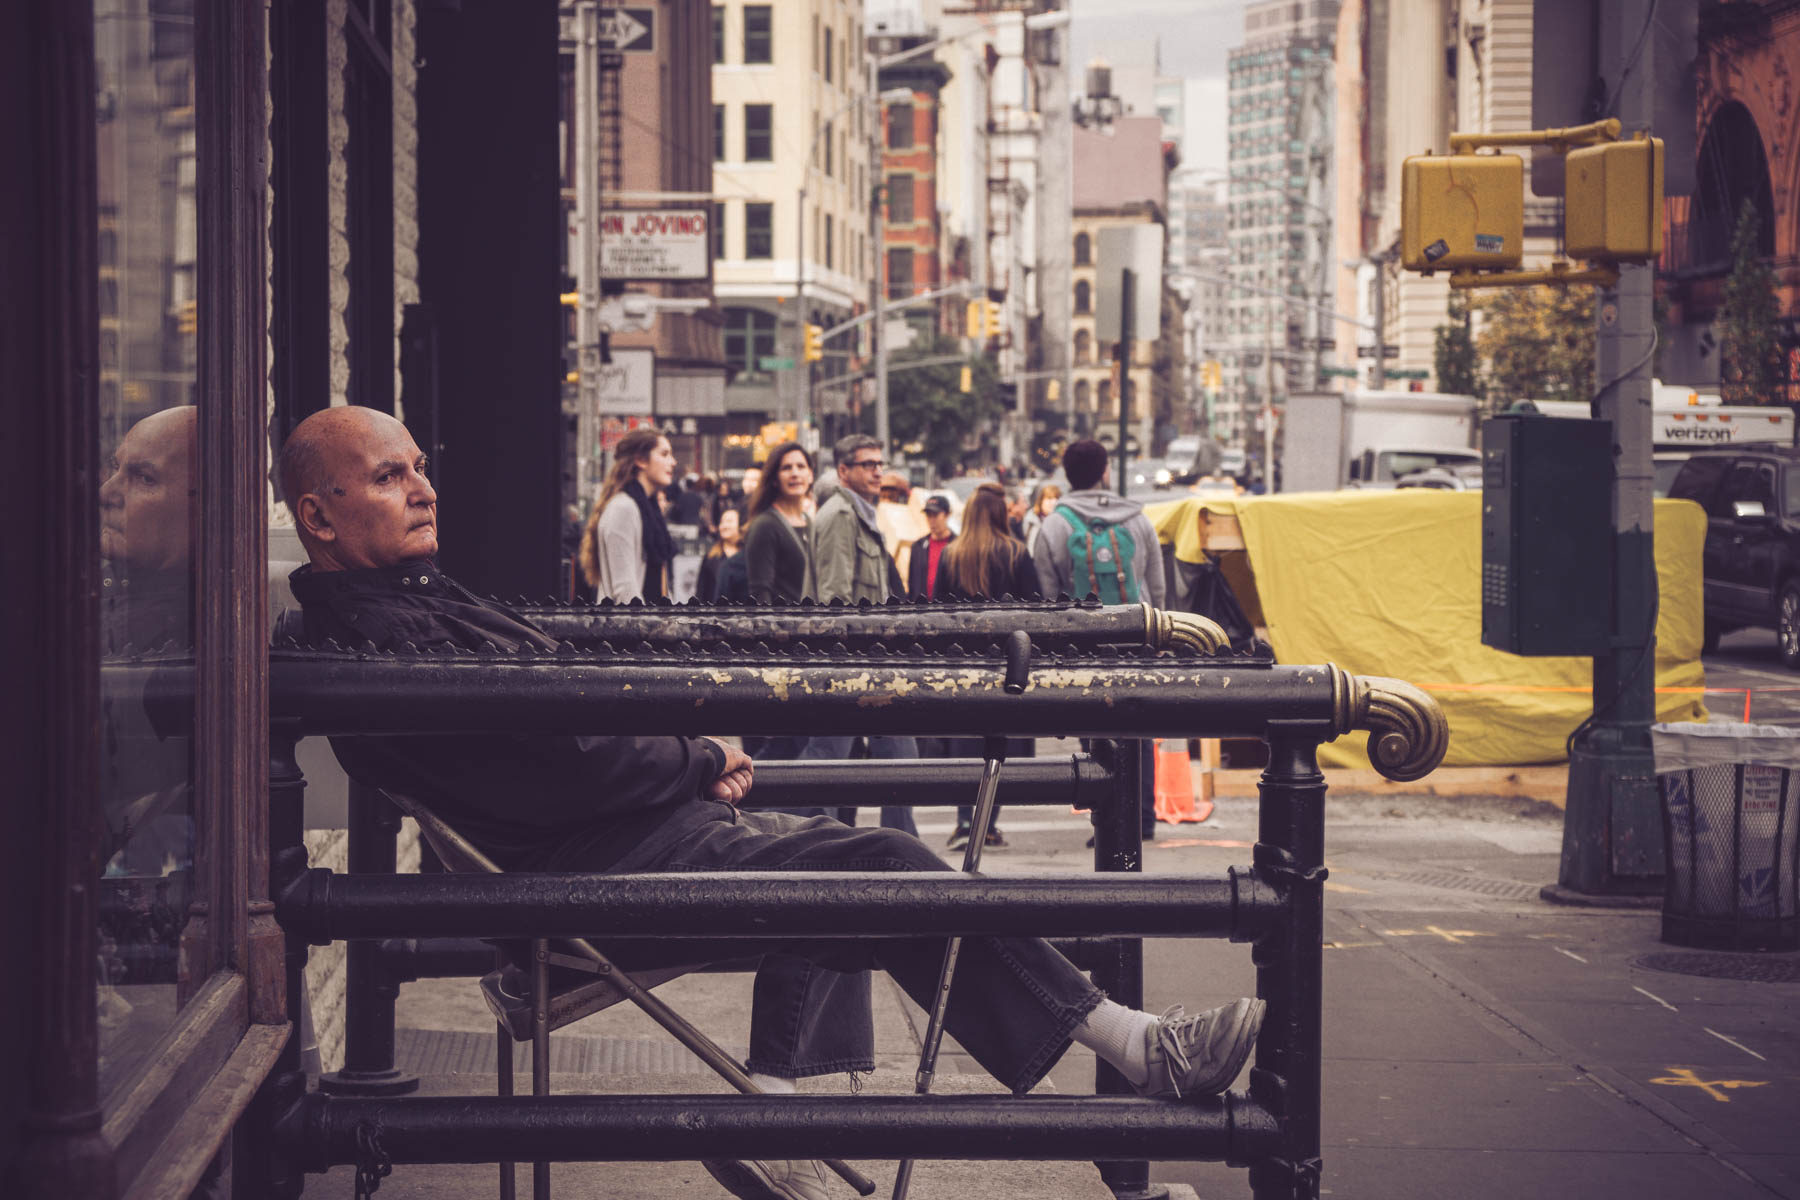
1389, 583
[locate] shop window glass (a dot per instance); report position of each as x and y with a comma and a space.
147, 430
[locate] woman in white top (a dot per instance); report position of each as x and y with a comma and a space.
626, 549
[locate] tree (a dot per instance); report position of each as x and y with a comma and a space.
927, 404
1458, 366
1538, 343
1749, 346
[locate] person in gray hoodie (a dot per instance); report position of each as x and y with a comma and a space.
1073, 562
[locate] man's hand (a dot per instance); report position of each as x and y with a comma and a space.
733, 783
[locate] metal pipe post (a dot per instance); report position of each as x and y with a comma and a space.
370, 990
1290, 857
1119, 846
1122, 356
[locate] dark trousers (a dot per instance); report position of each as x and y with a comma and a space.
880, 746
1015, 1002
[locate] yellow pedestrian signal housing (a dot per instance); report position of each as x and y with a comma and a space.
571, 299
967, 383
1612, 201
972, 319
1212, 376
990, 319
814, 348
1462, 212
1053, 390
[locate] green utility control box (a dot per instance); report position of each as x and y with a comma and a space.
1546, 535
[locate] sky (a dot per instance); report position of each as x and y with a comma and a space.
1191, 38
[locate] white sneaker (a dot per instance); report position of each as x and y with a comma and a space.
751, 1179
1201, 1055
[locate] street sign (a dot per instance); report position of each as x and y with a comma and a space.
767, 363
1386, 352
629, 28
627, 385
1318, 343
1407, 373
655, 243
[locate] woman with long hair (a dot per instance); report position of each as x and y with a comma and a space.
985, 562
722, 574
1043, 503
626, 548
778, 554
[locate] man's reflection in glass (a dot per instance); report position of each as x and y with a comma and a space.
148, 511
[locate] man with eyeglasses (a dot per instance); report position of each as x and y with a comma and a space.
852, 564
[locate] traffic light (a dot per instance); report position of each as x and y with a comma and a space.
990, 319
1462, 212
187, 319
814, 349
967, 381
972, 319
1212, 375
571, 299
1053, 391
1612, 201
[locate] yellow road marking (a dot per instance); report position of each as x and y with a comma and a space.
1349, 945
1453, 936
1683, 1077
1331, 885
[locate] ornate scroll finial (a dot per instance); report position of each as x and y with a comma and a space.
1165, 630
1408, 734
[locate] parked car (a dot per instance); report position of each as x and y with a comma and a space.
1751, 564
1457, 477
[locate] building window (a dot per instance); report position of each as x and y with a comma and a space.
900, 126
718, 133
1084, 396
1084, 348
828, 54
759, 132
1084, 250
718, 33
1084, 297
828, 156
900, 199
1105, 394
717, 230
749, 338
899, 273
759, 44
759, 230
830, 251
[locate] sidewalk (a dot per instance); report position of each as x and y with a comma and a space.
1479, 1042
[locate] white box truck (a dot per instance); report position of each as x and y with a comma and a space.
1368, 439
1685, 419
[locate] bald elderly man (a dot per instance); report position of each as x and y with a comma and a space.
367, 515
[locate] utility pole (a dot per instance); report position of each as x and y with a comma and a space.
1055, 208
1378, 372
877, 292
1122, 356
587, 245
1612, 831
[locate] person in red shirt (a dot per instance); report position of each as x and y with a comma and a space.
922, 572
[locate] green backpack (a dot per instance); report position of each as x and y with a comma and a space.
1100, 560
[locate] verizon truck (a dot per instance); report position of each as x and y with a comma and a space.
1686, 420
1363, 438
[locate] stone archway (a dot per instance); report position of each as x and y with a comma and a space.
1731, 168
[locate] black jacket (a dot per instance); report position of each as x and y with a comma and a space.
531, 802
775, 561
918, 567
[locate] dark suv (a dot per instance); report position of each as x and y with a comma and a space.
1751, 566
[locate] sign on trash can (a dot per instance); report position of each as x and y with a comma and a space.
1731, 823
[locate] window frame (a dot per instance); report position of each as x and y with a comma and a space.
766, 135
758, 43
753, 235
901, 183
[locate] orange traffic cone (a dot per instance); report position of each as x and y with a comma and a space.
1175, 801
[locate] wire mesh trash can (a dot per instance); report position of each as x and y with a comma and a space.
1731, 823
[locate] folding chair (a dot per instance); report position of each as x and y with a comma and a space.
527, 1006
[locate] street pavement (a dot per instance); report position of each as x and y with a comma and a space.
1479, 1042
1748, 666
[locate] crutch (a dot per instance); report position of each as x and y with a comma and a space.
1018, 668
708, 1051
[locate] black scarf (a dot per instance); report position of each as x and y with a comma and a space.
659, 547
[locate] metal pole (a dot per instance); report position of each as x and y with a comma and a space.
1122, 356
878, 293
1378, 373
1612, 828
1268, 405
803, 384
587, 243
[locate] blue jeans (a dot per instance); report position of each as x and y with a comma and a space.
880, 746
1015, 1002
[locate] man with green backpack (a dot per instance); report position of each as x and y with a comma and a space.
1097, 543
1100, 544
